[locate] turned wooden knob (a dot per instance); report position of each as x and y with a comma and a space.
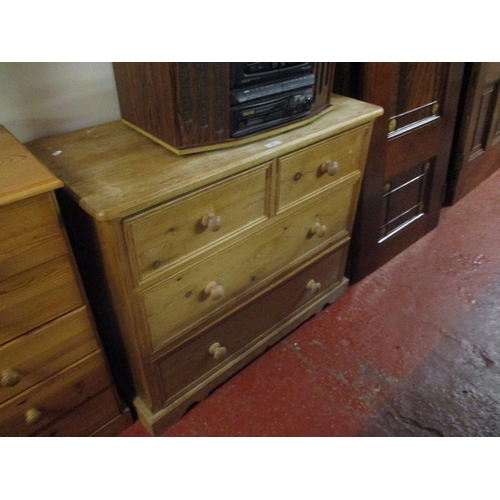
217, 351
214, 290
330, 167
314, 286
212, 221
9, 378
33, 416
319, 229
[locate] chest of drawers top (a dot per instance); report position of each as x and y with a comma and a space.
21, 175
113, 171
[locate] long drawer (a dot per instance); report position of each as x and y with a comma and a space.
218, 346
39, 354
190, 296
177, 230
31, 410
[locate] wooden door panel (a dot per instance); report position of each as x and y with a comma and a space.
476, 151
419, 84
408, 159
406, 198
484, 121
418, 95
410, 149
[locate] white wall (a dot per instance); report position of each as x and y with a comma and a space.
41, 99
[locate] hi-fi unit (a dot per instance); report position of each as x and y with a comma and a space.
191, 107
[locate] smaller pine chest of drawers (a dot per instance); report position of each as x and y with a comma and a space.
54, 380
210, 258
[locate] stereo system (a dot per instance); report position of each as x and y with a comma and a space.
191, 107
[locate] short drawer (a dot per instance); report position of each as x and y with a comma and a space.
310, 170
186, 298
31, 410
220, 345
36, 296
37, 355
176, 230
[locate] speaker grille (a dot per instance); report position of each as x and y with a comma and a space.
323, 84
219, 90
185, 93
202, 91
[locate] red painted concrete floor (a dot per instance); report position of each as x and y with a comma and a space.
411, 350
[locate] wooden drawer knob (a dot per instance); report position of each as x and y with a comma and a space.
330, 167
9, 378
33, 416
319, 230
217, 351
314, 286
212, 221
214, 290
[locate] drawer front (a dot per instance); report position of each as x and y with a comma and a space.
203, 289
301, 173
31, 358
218, 346
31, 410
177, 230
36, 296
30, 235
86, 418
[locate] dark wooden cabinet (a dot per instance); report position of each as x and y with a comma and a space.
408, 160
476, 152
188, 106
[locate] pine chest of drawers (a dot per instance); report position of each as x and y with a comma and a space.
54, 380
210, 258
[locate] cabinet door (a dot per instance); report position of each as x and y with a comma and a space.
408, 159
476, 154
